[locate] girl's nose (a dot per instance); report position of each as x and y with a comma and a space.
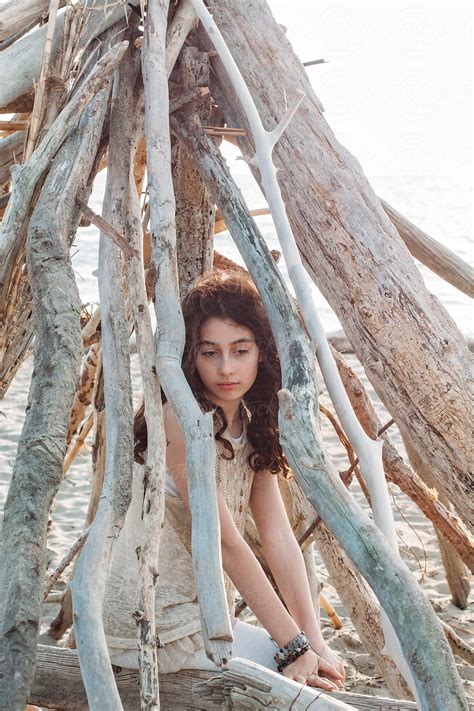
225, 366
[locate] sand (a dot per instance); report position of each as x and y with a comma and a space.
417, 540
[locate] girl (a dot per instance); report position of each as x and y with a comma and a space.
231, 364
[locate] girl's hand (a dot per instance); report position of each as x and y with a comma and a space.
308, 668
332, 659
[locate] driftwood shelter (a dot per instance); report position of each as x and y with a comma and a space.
148, 91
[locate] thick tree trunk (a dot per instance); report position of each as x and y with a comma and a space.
39, 465
412, 351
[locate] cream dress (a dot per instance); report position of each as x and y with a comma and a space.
178, 622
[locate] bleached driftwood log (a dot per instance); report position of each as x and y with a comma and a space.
128, 112
357, 598
432, 254
244, 685
20, 64
58, 684
39, 465
361, 605
396, 471
355, 255
425, 650
197, 426
88, 584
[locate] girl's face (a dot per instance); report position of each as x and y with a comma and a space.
227, 360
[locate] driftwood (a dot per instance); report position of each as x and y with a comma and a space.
20, 64
63, 619
16, 334
39, 463
58, 685
447, 523
196, 425
362, 607
194, 208
88, 584
355, 255
85, 391
68, 558
41, 89
129, 107
244, 685
432, 254
26, 177
11, 152
357, 598
368, 450
457, 574
17, 14
428, 654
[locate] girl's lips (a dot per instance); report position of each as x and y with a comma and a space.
226, 386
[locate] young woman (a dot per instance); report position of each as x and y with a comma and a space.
231, 364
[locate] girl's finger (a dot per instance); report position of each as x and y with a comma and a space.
320, 683
330, 670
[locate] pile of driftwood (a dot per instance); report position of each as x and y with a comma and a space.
148, 92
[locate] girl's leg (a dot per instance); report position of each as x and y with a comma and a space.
250, 642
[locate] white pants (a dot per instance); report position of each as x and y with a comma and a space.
250, 642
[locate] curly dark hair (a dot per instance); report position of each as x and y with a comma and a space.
232, 295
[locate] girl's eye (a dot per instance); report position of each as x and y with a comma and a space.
208, 354
242, 351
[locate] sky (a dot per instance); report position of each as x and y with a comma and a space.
397, 85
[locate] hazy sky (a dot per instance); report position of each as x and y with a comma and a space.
397, 86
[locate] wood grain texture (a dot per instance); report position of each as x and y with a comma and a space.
58, 685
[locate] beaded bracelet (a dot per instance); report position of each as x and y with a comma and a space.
294, 649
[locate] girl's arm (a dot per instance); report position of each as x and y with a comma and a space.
285, 560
